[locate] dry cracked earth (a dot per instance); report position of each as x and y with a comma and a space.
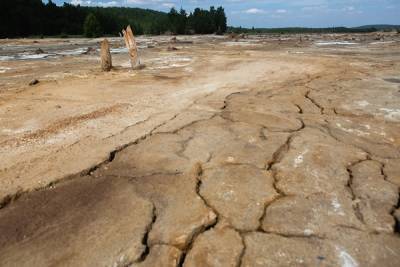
299, 169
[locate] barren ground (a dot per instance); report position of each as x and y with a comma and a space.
266, 151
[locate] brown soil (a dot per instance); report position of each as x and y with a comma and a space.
266, 151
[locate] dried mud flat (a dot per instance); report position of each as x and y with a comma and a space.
266, 151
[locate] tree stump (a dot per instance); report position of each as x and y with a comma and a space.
132, 47
106, 62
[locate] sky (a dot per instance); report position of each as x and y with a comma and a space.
278, 13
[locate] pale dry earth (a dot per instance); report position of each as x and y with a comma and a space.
264, 151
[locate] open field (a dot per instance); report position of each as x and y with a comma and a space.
272, 150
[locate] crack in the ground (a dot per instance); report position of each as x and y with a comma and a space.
129, 126
395, 208
210, 157
335, 111
370, 154
227, 99
223, 116
276, 158
307, 95
197, 172
397, 222
177, 130
349, 185
356, 206
111, 157
184, 144
300, 110
243, 252
146, 236
164, 123
8, 199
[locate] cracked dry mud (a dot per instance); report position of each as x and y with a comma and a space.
295, 164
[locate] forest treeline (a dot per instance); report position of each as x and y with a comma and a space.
19, 18
290, 30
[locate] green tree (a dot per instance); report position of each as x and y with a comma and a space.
137, 28
182, 28
202, 21
20, 18
159, 26
220, 20
92, 27
177, 21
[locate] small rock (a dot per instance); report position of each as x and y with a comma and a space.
39, 51
33, 82
172, 48
90, 51
140, 67
233, 35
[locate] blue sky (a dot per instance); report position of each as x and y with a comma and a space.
279, 13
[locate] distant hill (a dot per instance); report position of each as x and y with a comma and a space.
379, 27
288, 30
295, 30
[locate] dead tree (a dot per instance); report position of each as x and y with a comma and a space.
132, 47
106, 62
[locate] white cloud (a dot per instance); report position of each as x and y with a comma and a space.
169, 5
107, 4
80, 2
254, 11
94, 3
349, 8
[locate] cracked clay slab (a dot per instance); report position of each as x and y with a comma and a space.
221, 246
85, 222
239, 193
348, 248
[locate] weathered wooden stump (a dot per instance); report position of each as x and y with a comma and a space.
106, 61
132, 47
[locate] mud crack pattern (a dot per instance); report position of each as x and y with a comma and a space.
298, 173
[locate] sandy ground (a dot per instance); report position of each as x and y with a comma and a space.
262, 151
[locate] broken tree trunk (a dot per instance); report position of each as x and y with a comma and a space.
106, 61
132, 47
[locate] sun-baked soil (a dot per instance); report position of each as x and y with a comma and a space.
263, 151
